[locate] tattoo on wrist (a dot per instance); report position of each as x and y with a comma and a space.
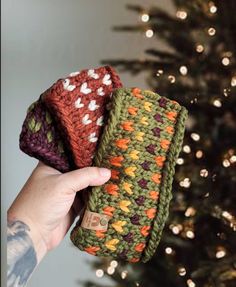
21, 255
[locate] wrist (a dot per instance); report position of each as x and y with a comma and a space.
37, 241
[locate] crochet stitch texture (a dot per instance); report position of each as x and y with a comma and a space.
140, 144
62, 127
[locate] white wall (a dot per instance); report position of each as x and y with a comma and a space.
42, 41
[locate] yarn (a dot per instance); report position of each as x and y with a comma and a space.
140, 144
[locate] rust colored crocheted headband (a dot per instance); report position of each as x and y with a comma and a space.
63, 126
125, 217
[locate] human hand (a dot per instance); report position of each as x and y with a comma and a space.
45, 202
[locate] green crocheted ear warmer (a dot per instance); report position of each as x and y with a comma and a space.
124, 218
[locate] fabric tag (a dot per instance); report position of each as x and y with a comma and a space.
95, 221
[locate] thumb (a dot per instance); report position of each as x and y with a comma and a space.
84, 177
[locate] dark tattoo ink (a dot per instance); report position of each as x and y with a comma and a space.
21, 256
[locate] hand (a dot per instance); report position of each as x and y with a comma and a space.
45, 202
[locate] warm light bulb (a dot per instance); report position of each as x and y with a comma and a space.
190, 283
225, 61
114, 263
124, 274
233, 158
181, 14
149, 33
190, 211
180, 161
233, 81
195, 137
171, 79
110, 270
217, 103
145, 17
213, 8
211, 31
226, 163
190, 234
203, 172
199, 48
186, 182
183, 70
199, 154
168, 250
182, 271
186, 149
99, 273
221, 252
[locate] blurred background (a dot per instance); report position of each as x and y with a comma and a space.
184, 50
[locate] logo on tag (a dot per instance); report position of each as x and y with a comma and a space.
95, 221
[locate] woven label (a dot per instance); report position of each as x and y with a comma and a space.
95, 221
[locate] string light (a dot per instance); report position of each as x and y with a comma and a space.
226, 92
195, 137
99, 273
217, 103
114, 263
149, 33
203, 172
233, 158
221, 252
213, 8
190, 283
190, 211
183, 70
193, 101
176, 228
124, 274
233, 81
182, 271
211, 31
168, 250
181, 14
190, 234
180, 161
186, 182
225, 61
145, 17
110, 270
199, 48
171, 79
226, 163
159, 72
199, 154
186, 149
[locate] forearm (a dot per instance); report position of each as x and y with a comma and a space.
24, 252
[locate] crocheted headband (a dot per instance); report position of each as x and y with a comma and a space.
70, 112
78, 104
40, 138
125, 217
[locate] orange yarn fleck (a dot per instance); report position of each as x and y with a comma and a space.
134, 260
171, 115
160, 160
132, 111
137, 93
144, 230
115, 174
116, 160
127, 126
139, 247
170, 129
122, 143
92, 249
156, 177
154, 194
108, 210
151, 212
112, 189
100, 234
165, 143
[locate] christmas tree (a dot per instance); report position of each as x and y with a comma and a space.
197, 69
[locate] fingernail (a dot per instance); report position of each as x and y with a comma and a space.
104, 172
